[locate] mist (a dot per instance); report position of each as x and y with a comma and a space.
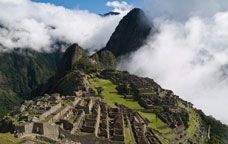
189, 55
27, 24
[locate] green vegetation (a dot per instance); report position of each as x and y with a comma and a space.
107, 60
86, 65
129, 136
21, 71
219, 131
193, 123
156, 123
8, 100
68, 84
84, 134
110, 94
8, 138
163, 140
24, 70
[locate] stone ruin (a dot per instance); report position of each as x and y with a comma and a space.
143, 134
164, 103
88, 119
58, 118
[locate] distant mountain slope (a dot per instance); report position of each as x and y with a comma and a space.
21, 71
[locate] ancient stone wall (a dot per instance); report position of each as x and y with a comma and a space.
28, 128
78, 122
87, 139
59, 114
51, 131
49, 112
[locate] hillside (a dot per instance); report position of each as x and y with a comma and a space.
21, 71
109, 106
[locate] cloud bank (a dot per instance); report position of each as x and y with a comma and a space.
182, 10
188, 55
28, 24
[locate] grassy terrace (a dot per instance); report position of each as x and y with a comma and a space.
110, 94
129, 136
156, 123
8, 138
193, 124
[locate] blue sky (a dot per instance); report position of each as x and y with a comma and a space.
97, 6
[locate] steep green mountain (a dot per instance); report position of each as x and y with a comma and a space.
130, 34
75, 58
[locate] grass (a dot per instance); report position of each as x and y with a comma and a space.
163, 140
7, 138
193, 123
129, 138
8, 99
110, 94
128, 134
156, 123
84, 134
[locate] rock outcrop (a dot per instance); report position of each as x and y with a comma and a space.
70, 58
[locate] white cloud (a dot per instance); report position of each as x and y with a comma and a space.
182, 9
189, 57
119, 6
37, 25
13, 1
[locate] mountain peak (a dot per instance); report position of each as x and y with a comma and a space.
130, 34
70, 57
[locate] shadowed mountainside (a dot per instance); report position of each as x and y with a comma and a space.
130, 34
